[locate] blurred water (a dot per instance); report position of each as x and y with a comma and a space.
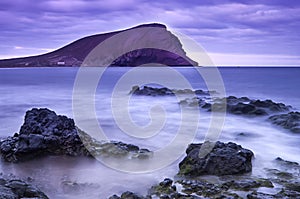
22, 89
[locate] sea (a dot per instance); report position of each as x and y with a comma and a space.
22, 89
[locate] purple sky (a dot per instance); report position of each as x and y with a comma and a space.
233, 32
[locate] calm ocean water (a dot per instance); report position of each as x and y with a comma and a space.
23, 89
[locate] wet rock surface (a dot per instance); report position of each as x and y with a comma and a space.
74, 187
222, 159
290, 121
43, 133
46, 133
238, 106
13, 188
286, 174
152, 91
200, 188
128, 195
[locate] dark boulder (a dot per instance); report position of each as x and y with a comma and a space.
45, 133
290, 121
223, 159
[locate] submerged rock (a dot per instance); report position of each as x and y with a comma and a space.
290, 121
46, 133
12, 188
223, 159
74, 187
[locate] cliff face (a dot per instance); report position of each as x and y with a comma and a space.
75, 53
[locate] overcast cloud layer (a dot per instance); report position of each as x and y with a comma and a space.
256, 32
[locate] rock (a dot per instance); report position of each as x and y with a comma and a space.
45, 133
286, 174
283, 194
185, 188
269, 104
246, 106
73, 187
201, 188
280, 174
290, 121
248, 184
163, 188
287, 163
152, 91
114, 197
12, 188
116, 149
259, 195
223, 159
293, 186
237, 106
128, 195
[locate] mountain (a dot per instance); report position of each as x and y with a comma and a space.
78, 53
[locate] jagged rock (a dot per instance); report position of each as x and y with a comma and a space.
146, 90
167, 190
248, 184
283, 194
287, 163
163, 188
223, 159
12, 188
129, 195
187, 188
45, 133
246, 106
259, 195
238, 106
290, 121
201, 188
152, 91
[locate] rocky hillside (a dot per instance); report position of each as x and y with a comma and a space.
75, 53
